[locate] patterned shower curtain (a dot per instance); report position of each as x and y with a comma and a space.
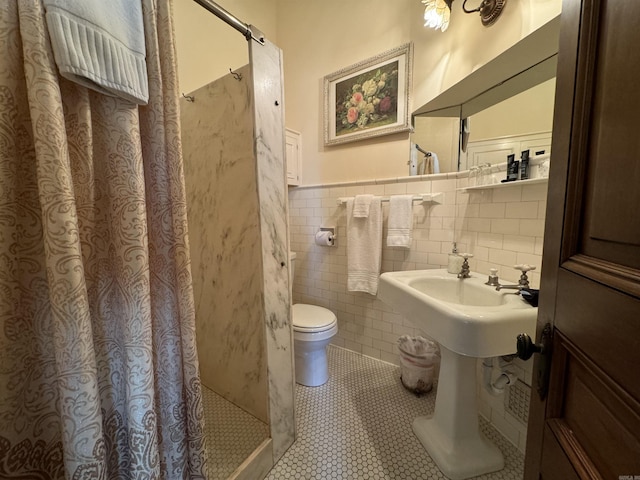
98, 369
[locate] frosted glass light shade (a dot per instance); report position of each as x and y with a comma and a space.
436, 14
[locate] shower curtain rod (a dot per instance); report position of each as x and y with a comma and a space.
249, 31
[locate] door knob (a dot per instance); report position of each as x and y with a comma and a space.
526, 348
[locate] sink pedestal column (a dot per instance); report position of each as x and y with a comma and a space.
452, 435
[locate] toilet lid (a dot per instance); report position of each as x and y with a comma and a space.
311, 318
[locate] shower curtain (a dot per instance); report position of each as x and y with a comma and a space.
98, 368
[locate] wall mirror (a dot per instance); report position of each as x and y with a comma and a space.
508, 100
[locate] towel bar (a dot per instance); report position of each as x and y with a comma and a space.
422, 198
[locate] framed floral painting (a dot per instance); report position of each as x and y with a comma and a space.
368, 99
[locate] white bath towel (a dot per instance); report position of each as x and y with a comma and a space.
400, 221
100, 45
361, 206
364, 248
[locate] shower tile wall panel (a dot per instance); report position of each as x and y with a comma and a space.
266, 61
501, 227
224, 235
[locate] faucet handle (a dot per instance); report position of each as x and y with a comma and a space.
464, 270
524, 280
524, 268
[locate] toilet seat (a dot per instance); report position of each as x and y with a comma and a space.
312, 319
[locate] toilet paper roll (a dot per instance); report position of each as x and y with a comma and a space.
324, 238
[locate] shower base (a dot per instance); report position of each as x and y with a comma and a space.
232, 435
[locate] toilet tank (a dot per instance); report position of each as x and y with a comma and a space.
292, 266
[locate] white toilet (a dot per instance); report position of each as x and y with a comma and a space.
313, 328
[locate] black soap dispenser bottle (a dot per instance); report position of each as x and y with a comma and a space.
524, 165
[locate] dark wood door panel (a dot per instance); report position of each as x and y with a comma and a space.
622, 278
571, 451
588, 426
593, 420
611, 226
603, 419
603, 322
555, 465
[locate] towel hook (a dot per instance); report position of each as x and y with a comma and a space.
236, 75
189, 98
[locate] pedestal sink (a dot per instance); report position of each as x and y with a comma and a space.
469, 320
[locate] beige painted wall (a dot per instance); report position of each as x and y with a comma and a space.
511, 118
207, 47
318, 38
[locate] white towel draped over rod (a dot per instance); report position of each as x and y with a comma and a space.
421, 197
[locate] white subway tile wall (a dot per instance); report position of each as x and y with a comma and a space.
501, 227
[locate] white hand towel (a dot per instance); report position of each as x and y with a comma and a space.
400, 221
364, 248
361, 206
100, 45
436, 163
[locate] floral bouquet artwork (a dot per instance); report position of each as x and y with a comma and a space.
369, 99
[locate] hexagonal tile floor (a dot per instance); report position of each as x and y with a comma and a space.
231, 434
358, 426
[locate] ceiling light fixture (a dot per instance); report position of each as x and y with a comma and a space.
436, 13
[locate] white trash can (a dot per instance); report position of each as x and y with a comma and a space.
419, 358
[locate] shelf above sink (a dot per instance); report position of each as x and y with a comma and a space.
517, 183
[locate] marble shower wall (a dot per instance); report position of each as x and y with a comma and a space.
225, 240
233, 144
267, 71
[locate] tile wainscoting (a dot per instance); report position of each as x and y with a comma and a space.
501, 227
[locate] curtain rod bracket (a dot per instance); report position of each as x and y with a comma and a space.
255, 34
250, 32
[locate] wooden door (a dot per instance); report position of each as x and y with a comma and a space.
588, 425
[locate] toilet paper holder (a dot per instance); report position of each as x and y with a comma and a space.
331, 237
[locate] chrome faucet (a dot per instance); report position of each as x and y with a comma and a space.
524, 280
465, 270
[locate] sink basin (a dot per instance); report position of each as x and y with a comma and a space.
469, 320
465, 315
453, 290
